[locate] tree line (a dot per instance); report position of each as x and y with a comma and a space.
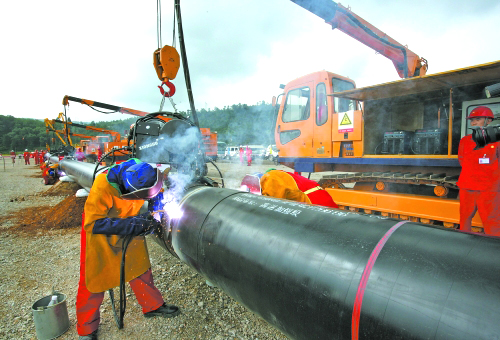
237, 124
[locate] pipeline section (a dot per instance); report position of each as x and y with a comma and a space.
320, 273
80, 172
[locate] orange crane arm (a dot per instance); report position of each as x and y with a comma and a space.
115, 108
407, 63
49, 126
116, 135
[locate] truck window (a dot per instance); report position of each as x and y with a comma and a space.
297, 105
342, 104
321, 104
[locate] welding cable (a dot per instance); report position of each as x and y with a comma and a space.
123, 293
97, 169
220, 173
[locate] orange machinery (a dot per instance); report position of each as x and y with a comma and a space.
209, 138
406, 62
396, 143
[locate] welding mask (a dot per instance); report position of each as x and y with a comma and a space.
142, 182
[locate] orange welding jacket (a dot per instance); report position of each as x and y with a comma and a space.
281, 184
480, 168
103, 253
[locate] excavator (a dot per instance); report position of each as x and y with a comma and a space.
396, 143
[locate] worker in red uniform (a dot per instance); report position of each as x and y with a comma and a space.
36, 156
26, 156
99, 153
241, 155
249, 156
479, 180
13, 156
290, 186
40, 156
110, 215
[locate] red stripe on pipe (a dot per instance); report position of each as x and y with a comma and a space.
356, 312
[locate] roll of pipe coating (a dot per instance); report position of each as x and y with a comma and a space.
300, 268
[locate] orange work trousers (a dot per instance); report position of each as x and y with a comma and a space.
87, 303
488, 205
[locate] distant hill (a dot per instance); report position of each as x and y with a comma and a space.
237, 124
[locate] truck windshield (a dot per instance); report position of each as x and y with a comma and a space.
297, 105
342, 104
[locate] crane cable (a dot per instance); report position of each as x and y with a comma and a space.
158, 23
158, 39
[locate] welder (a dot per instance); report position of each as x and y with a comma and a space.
479, 180
111, 214
287, 185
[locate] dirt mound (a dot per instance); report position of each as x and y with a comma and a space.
65, 215
62, 189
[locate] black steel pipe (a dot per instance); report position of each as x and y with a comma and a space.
319, 273
306, 269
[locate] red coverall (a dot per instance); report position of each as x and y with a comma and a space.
479, 185
26, 156
281, 184
249, 156
241, 156
13, 156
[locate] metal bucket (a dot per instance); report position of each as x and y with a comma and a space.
50, 321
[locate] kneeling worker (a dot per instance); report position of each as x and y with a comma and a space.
111, 212
290, 186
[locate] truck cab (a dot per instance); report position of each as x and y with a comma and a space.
325, 123
312, 124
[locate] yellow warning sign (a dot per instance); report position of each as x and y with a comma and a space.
345, 120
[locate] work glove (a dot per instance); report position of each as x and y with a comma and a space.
151, 225
140, 225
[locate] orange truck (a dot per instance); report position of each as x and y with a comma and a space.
396, 143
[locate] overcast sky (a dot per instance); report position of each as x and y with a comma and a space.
239, 51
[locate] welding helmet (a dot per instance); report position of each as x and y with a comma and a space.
142, 182
481, 111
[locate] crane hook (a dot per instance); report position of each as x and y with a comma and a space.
167, 92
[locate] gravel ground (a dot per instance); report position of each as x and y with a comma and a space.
33, 260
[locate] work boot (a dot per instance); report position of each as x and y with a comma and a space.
167, 311
91, 336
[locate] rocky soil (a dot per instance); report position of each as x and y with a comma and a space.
39, 249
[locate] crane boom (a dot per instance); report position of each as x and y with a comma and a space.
116, 135
407, 63
115, 108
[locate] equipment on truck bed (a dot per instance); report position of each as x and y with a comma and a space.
397, 138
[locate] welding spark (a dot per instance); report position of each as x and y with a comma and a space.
173, 210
